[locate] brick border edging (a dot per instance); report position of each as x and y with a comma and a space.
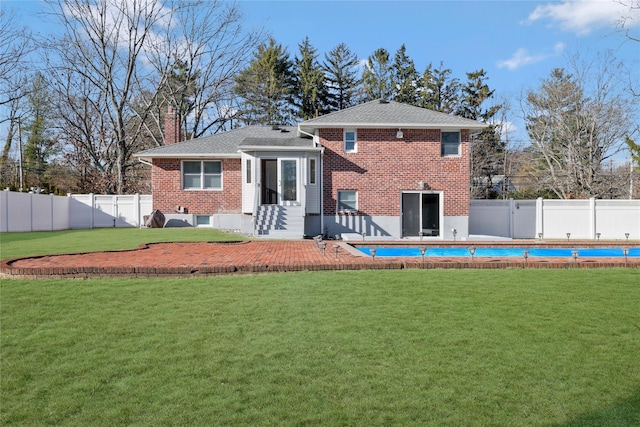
89, 272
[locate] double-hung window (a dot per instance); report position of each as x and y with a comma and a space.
202, 175
450, 144
350, 141
347, 200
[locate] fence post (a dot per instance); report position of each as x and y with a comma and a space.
136, 204
511, 214
93, 208
539, 217
592, 218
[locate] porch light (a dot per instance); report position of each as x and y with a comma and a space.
399, 134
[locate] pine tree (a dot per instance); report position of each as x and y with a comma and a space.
377, 76
342, 80
266, 87
40, 146
487, 148
310, 90
439, 91
405, 78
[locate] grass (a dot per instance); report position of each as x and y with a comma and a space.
14, 245
436, 347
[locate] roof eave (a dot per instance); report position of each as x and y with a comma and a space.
254, 148
148, 157
447, 126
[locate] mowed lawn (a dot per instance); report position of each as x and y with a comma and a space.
434, 347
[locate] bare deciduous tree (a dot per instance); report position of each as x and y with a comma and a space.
577, 122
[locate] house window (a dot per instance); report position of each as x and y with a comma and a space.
203, 221
202, 175
450, 143
312, 171
350, 141
248, 171
347, 200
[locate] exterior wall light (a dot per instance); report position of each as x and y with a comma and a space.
399, 134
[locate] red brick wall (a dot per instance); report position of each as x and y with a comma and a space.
167, 193
384, 166
172, 132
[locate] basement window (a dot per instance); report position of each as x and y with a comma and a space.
203, 221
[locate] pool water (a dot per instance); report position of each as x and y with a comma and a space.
501, 252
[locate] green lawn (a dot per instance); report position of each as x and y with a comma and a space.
414, 347
13, 245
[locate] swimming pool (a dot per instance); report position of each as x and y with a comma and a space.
499, 252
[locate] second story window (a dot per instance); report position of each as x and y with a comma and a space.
450, 144
350, 141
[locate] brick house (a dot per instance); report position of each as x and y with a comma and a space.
381, 168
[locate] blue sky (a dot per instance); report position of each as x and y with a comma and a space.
518, 43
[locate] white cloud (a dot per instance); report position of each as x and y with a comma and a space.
522, 57
583, 16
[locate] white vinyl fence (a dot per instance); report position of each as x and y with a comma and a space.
553, 219
39, 212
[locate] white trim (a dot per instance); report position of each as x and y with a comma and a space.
355, 140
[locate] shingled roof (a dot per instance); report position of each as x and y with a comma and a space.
389, 114
229, 143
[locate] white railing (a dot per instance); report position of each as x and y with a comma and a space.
553, 219
39, 212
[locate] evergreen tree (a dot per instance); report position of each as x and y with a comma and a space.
404, 78
310, 91
342, 78
40, 146
439, 91
487, 148
266, 87
377, 76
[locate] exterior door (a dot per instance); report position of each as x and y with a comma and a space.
280, 184
420, 213
269, 181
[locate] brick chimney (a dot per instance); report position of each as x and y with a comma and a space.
172, 132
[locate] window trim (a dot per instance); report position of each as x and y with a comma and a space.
442, 144
355, 140
350, 210
202, 175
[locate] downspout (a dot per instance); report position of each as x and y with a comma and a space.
315, 137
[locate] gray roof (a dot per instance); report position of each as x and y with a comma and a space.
389, 114
229, 143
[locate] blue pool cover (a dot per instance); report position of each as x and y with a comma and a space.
501, 252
